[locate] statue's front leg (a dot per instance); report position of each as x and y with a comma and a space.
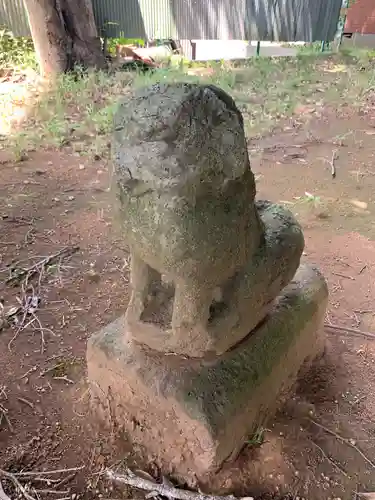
191, 308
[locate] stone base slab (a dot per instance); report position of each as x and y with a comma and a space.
189, 415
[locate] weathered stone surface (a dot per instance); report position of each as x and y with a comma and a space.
185, 184
249, 296
187, 192
243, 300
190, 414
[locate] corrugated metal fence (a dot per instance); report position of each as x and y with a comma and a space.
135, 18
272, 20
13, 16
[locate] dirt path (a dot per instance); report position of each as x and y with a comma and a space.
320, 446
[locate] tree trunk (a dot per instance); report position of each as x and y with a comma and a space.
64, 35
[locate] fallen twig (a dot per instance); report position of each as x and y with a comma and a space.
32, 369
332, 163
48, 472
65, 480
352, 331
332, 462
52, 492
18, 274
41, 329
346, 441
64, 379
28, 305
51, 369
47, 480
26, 402
17, 220
130, 479
274, 147
37, 477
28, 238
21, 327
16, 483
346, 276
358, 400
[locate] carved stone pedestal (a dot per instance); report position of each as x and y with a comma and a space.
191, 415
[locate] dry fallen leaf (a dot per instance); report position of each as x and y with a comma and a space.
337, 68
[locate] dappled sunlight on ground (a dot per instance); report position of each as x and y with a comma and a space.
17, 92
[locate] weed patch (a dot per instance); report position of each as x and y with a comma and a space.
79, 109
15, 52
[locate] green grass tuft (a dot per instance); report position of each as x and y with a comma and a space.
78, 110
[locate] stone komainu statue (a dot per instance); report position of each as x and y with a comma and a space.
186, 194
214, 281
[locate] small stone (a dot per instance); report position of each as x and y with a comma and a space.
81, 166
359, 204
56, 199
71, 198
93, 276
353, 442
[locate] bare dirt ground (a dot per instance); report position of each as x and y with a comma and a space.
319, 446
